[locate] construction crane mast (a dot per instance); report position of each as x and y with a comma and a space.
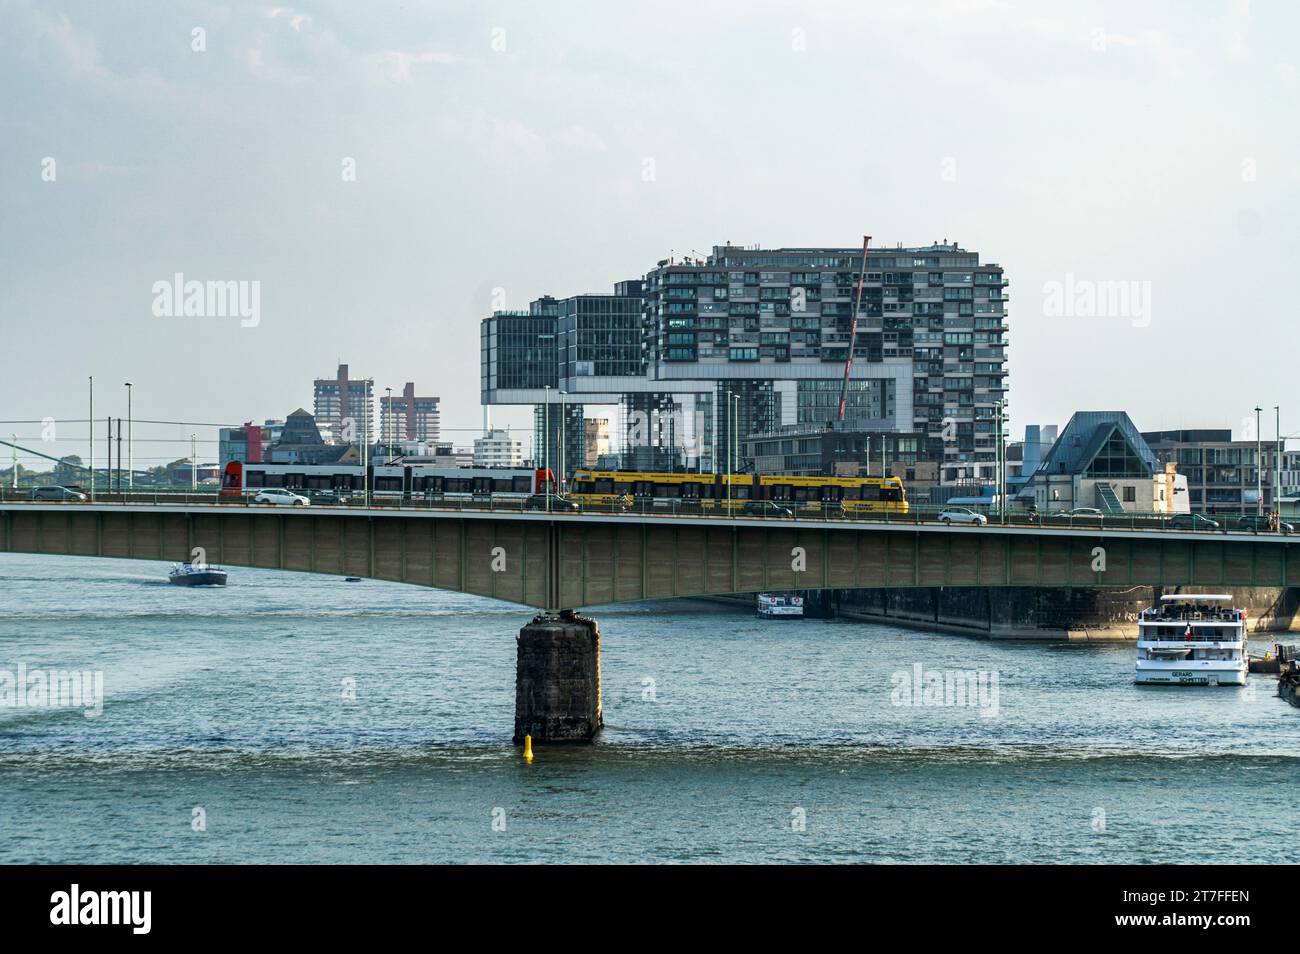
853, 330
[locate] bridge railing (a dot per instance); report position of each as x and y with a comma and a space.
916, 514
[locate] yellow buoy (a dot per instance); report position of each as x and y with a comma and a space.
528, 748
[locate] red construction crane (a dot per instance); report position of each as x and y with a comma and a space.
853, 330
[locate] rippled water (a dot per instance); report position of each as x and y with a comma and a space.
232, 701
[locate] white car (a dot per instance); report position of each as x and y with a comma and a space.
284, 498
962, 515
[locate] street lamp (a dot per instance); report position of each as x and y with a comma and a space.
130, 443
546, 442
1277, 462
388, 425
564, 437
90, 427
1259, 467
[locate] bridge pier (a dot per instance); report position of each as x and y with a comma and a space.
557, 679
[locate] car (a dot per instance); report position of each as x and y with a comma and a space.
1087, 513
54, 492
281, 498
1258, 522
1192, 521
962, 515
551, 502
765, 508
328, 496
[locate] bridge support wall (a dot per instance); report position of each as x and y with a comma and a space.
557, 680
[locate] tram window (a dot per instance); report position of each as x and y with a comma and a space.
663, 490
602, 485
254, 478
691, 491
522, 485
642, 488
388, 483
457, 485
831, 492
891, 494
318, 481
433, 485
851, 493
274, 480
742, 492
781, 491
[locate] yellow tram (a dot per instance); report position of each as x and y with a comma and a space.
621, 489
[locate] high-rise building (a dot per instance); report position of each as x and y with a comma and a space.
769, 330
705, 352
405, 417
344, 406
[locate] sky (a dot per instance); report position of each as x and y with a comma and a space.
389, 173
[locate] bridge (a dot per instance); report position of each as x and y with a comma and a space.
561, 562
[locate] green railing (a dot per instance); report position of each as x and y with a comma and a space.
917, 514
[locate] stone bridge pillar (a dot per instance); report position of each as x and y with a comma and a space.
557, 679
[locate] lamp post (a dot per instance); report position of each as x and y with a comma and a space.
736, 427
1000, 465
388, 424
728, 393
194, 464
546, 441
564, 437
130, 443
90, 427
1277, 462
1259, 467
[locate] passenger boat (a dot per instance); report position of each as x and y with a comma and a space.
780, 605
1192, 639
192, 574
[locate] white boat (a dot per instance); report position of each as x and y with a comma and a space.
195, 574
1192, 639
780, 605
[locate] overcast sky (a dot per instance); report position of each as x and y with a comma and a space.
559, 147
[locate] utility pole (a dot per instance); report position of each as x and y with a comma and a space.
388, 427
546, 440
728, 393
1277, 462
365, 452
1259, 467
194, 463
14, 441
119, 455
90, 426
130, 443
564, 436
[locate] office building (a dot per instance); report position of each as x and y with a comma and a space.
705, 352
